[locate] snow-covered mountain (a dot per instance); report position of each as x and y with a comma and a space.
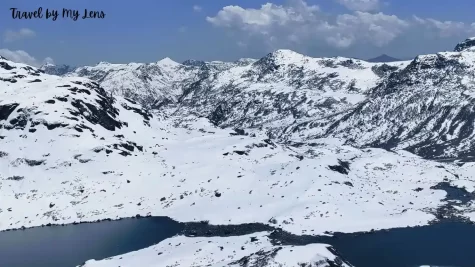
281, 88
218, 65
147, 83
72, 152
152, 84
308, 145
427, 108
269, 93
57, 69
65, 138
424, 105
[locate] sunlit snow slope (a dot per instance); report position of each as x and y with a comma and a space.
248, 250
69, 152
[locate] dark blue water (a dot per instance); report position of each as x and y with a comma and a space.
72, 245
446, 244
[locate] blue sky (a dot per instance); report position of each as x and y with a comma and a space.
148, 30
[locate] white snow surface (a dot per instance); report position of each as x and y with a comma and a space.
193, 159
206, 251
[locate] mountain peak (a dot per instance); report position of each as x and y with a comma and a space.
286, 53
245, 61
383, 58
281, 56
47, 65
58, 70
168, 62
467, 45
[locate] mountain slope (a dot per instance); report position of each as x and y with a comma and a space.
239, 251
146, 83
424, 105
59, 70
152, 84
276, 90
281, 88
426, 108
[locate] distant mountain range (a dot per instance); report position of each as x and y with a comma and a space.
59, 70
63, 69
292, 96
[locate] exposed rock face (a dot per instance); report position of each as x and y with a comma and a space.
57, 69
194, 63
6, 110
468, 44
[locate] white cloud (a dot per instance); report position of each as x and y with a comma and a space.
268, 15
274, 24
21, 56
48, 60
446, 28
298, 23
197, 8
378, 29
24, 33
360, 5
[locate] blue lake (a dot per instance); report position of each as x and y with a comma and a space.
72, 245
448, 244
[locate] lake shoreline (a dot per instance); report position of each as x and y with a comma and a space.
143, 232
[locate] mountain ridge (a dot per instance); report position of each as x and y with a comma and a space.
153, 89
295, 97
